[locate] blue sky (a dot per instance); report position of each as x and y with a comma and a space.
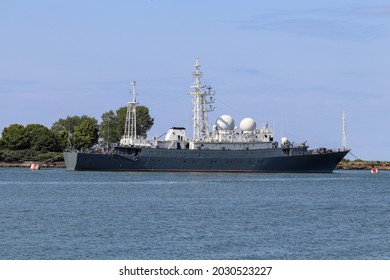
295, 64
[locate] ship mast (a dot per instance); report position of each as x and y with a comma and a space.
202, 101
130, 133
344, 142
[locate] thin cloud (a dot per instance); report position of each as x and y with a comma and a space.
378, 11
322, 23
247, 71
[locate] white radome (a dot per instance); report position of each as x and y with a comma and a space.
284, 140
225, 122
248, 124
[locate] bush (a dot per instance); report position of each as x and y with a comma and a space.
14, 156
29, 155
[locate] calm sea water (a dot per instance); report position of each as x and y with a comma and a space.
57, 214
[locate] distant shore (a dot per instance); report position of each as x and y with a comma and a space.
363, 165
344, 165
27, 164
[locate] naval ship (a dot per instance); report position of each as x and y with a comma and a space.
222, 147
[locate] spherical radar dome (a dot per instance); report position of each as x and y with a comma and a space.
225, 122
284, 140
248, 124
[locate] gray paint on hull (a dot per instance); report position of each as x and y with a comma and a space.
273, 160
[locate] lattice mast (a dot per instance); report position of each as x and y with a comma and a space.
202, 101
131, 119
344, 140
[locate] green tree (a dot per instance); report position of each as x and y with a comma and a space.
65, 129
15, 137
144, 120
86, 134
121, 120
64, 139
108, 127
69, 124
36, 137
2, 144
41, 138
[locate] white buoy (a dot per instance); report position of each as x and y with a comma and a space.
35, 166
374, 170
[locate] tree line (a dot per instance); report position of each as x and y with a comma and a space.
20, 142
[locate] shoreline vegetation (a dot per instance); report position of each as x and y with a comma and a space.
25, 158
362, 165
59, 163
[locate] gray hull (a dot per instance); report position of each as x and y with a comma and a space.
148, 159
